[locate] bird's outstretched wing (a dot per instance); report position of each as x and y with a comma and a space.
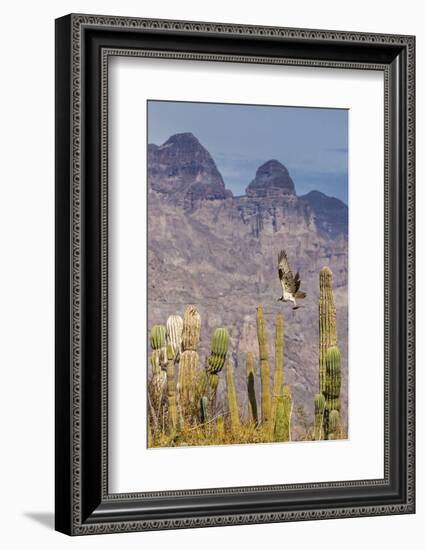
296, 282
289, 282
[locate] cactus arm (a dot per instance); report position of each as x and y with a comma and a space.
327, 321
334, 424
279, 424
282, 424
264, 368
252, 403
220, 429
157, 381
333, 382
204, 415
279, 361
191, 329
174, 328
188, 367
171, 391
216, 361
232, 399
319, 406
158, 337
189, 363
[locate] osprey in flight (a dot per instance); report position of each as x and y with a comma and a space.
289, 282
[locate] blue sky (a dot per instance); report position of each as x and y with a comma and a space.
311, 142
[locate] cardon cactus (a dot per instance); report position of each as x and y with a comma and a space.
220, 343
216, 361
319, 406
174, 327
333, 424
158, 345
252, 403
264, 368
158, 378
282, 425
333, 379
187, 379
191, 329
158, 337
220, 429
333, 382
171, 391
279, 361
327, 322
232, 399
159, 353
204, 408
189, 363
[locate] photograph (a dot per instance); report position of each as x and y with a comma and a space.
247, 254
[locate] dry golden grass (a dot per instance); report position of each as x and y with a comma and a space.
212, 434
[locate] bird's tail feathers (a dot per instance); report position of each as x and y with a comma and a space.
300, 294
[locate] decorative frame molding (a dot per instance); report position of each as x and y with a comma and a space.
84, 44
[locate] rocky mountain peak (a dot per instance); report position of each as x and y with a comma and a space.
184, 169
272, 179
184, 140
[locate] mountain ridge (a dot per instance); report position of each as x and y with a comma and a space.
184, 170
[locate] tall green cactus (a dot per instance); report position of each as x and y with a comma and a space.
220, 343
264, 368
188, 367
319, 406
158, 337
251, 392
189, 363
234, 414
334, 424
282, 424
220, 429
158, 377
327, 322
216, 361
279, 361
204, 408
159, 352
171, 391
174, 327
333, 381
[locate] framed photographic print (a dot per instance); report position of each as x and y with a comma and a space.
234, 274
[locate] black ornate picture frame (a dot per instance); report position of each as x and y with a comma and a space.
84, 43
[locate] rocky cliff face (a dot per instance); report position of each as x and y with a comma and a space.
219, 252
331, 215
184, 172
